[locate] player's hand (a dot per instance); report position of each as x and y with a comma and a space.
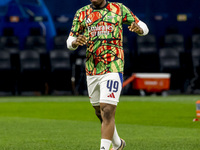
80, 41
134, 27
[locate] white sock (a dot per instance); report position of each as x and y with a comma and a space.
116, 141
105, 144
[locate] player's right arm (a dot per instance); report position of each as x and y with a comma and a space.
74, 42
76, 38
80, 41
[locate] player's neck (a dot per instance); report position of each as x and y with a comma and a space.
99, 6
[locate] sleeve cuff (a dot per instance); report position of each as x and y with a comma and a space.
144, 28
69, 43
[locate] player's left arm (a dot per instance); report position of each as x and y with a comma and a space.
135, 25
140, 28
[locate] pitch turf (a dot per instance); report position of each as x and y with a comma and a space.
69, 123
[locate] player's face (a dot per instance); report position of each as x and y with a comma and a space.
98, 3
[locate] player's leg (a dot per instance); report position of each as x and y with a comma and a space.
116, 141
108, 120
94, 95
110, 87
108, 128
105, 143
98, 112
107, 125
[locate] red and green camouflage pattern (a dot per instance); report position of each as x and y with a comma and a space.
103, 28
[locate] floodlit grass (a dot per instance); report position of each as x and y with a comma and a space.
69, 123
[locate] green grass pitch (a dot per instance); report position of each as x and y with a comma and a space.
69, 123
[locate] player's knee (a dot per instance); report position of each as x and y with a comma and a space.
107, 114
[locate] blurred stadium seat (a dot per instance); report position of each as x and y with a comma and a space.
175, 41
196, 57
196, 66
146, 44
196, 41
37, 43
147, 59
170, 63
31, 75
7, 74
60, 42
60, 73
194, 82
78, 71
169, 59
9, 41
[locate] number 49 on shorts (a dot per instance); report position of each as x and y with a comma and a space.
112, 85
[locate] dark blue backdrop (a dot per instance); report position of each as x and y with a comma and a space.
27, 11
146, 10
158, 14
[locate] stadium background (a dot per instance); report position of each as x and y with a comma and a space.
34, 58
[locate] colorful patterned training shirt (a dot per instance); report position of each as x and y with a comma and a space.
103, 28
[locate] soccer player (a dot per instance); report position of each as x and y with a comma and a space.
99, 27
